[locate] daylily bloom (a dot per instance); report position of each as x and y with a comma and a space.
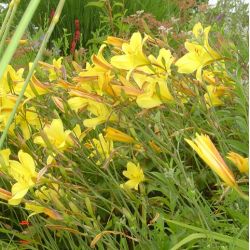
39, 88
57, 137
13, 75
205, 148
199, 54
150, 98
213, 95
102, 148
101, 112
239, 161
23, 171
55, 70
163, 62
135, 175
153, 80
209, 77
96, 76
117, 135
134, 55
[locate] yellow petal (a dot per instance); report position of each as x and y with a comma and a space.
27, 162
18, 191
239, 161
188, 63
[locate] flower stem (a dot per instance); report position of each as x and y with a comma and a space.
241, 194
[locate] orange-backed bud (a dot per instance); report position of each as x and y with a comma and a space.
156, 148
58, 102
5, 195
115, 41
117, 135
52, 214
210, 155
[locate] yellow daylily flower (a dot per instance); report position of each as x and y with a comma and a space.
199, 54
134, 55
135, 175
55, 70
10, 78
15, 76
212, 97
23, 171
100, 63
159, 68
209, 77
101, 112
153, 98
102, 148
97, 76
205, 148
39, 88
239, 161
117, 135
153, 80
56, 135
163, 62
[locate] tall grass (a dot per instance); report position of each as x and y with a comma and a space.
90, 17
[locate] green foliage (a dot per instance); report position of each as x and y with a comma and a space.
97, 17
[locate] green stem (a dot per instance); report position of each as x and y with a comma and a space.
38, 57
6, 18
241, 194
187, 239
7, 28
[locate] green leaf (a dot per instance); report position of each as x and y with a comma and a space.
98, 4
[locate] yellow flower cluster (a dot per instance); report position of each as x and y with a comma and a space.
131, 76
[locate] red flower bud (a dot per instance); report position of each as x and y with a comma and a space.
24, 223
73, 46
77, 35
24, 242
77, 24
52, 13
